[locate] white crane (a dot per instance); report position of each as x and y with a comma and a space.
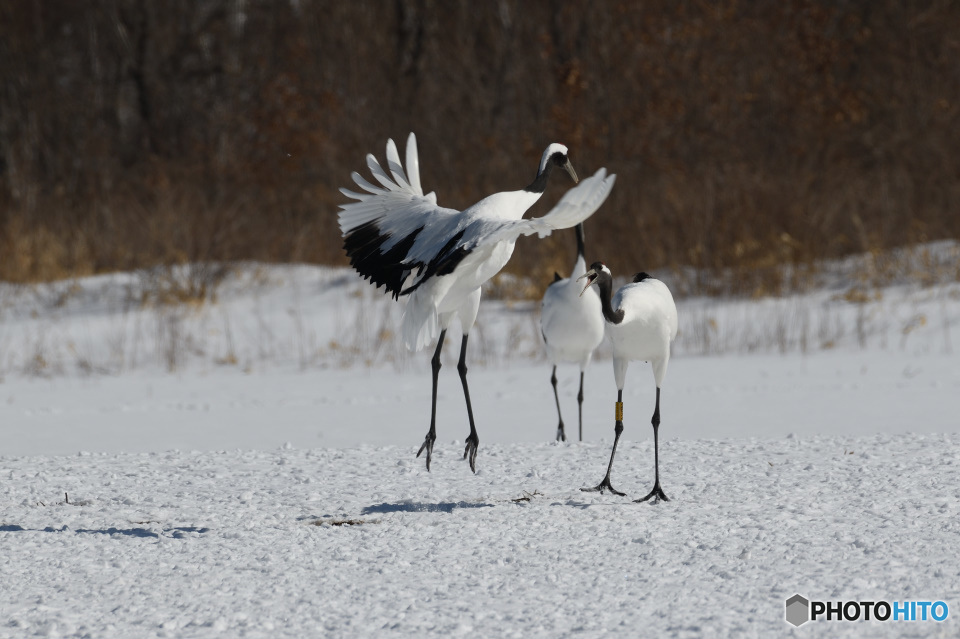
399, 238
572, 327
642, 321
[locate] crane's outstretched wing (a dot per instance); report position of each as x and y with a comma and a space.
394, 231
574, 207
472, 232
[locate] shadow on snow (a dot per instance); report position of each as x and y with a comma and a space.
419, 507
178, 532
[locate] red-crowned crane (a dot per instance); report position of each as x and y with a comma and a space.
399, 238
641, 321
572, 327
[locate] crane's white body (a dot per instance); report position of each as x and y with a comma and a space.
572, 324
432, 307
649, 326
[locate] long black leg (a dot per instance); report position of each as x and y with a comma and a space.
657, 493
561, 435
473, 441
605, 484
580, 405
432, 433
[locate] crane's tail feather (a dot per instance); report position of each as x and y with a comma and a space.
421, 324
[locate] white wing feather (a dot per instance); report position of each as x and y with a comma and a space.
396, 169
413, 165
574, 207
399, 207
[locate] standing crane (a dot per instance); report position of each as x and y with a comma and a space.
642, 321
572, 326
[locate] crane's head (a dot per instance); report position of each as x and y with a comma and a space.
556, 155
596, 270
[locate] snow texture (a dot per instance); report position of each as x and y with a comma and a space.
282, 498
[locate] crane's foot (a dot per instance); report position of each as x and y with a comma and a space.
602, 486
428, 446
470, 451
561, 434
656, 495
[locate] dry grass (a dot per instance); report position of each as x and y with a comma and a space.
245, 317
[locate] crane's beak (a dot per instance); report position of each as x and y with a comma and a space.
569, 169
591, 277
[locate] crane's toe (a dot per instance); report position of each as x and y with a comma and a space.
561, 434
602, 486
427, 446
470, 450
657, 495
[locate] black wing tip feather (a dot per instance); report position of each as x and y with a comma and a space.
639, 277
390, 269
364, 248
445, 262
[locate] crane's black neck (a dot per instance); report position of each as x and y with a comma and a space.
539, 185
580, 246
605, 284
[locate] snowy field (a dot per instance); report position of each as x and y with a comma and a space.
246, 467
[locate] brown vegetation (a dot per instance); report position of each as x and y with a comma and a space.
746, 135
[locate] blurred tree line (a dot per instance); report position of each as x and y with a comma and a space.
746, 134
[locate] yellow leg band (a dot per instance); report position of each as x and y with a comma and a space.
619, 411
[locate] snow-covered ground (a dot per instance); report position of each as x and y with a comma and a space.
246, 467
